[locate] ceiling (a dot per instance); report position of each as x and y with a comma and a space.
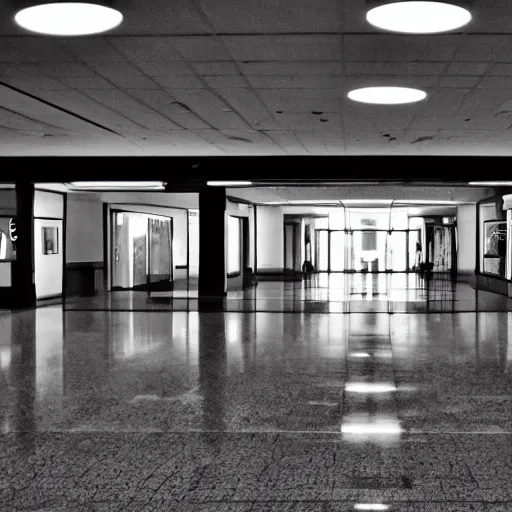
255, 77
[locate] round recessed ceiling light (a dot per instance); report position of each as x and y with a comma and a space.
68, 18
387, 95
418, 17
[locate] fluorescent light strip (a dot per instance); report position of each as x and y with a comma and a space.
490, 183
229, 183
118, 185
425, 201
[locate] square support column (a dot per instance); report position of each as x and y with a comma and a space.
23, 287
212, 243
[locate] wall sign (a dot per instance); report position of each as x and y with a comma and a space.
12, 230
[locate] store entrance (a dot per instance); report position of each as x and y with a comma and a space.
366, 250
141, 251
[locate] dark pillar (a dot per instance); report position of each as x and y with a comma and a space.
22, 270
212, 236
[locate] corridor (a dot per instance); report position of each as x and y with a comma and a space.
239, 412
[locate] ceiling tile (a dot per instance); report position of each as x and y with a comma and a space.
466, 82
179, 82
215, 68
424, 81
165, 103
496, 82
213, 109
87, 82
485, 48
33, 84
398, 48
124, 75
226, 82
201, 48
288, 141
302, 82
284, 47
309, 121
165, 68
93, 49
263, 16
291, 68
80, 104
394, 68
32, 49
146, 49
467, 68
301, 100
248, 105
501, 69
129, 107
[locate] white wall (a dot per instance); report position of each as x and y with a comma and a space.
48, 204
270, 242
466, 234
84, 229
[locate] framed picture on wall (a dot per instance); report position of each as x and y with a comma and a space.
495, 247
50, 240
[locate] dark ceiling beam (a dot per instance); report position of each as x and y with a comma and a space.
187, 172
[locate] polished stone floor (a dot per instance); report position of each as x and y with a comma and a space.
324, 293
255, 412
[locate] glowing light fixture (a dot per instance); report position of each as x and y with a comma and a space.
68, 18
369, 428
418, 17
117, 185
491, 183
229, 183
369, 387
387, 95
425, 201
370, 506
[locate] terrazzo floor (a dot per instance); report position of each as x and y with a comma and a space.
324, 293
239, 412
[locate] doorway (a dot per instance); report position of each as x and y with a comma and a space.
141, 251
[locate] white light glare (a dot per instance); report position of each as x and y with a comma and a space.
371, 506
68, 18
368, 387
387, 95
424, 201
418, 17
229, 183
105, 185
491, 183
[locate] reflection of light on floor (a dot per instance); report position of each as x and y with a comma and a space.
369, 387
378, 427
359, 354
5, 358
371, 506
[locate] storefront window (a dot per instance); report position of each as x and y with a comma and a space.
495, 247
8, 239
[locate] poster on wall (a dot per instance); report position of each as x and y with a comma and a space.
495, 247
8, 237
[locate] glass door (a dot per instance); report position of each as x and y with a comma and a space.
337, 250
160, 250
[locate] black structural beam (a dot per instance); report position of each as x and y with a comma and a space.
188, 172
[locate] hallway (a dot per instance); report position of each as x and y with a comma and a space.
255, 412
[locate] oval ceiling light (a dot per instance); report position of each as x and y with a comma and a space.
418, 17
68, 18
387, 95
